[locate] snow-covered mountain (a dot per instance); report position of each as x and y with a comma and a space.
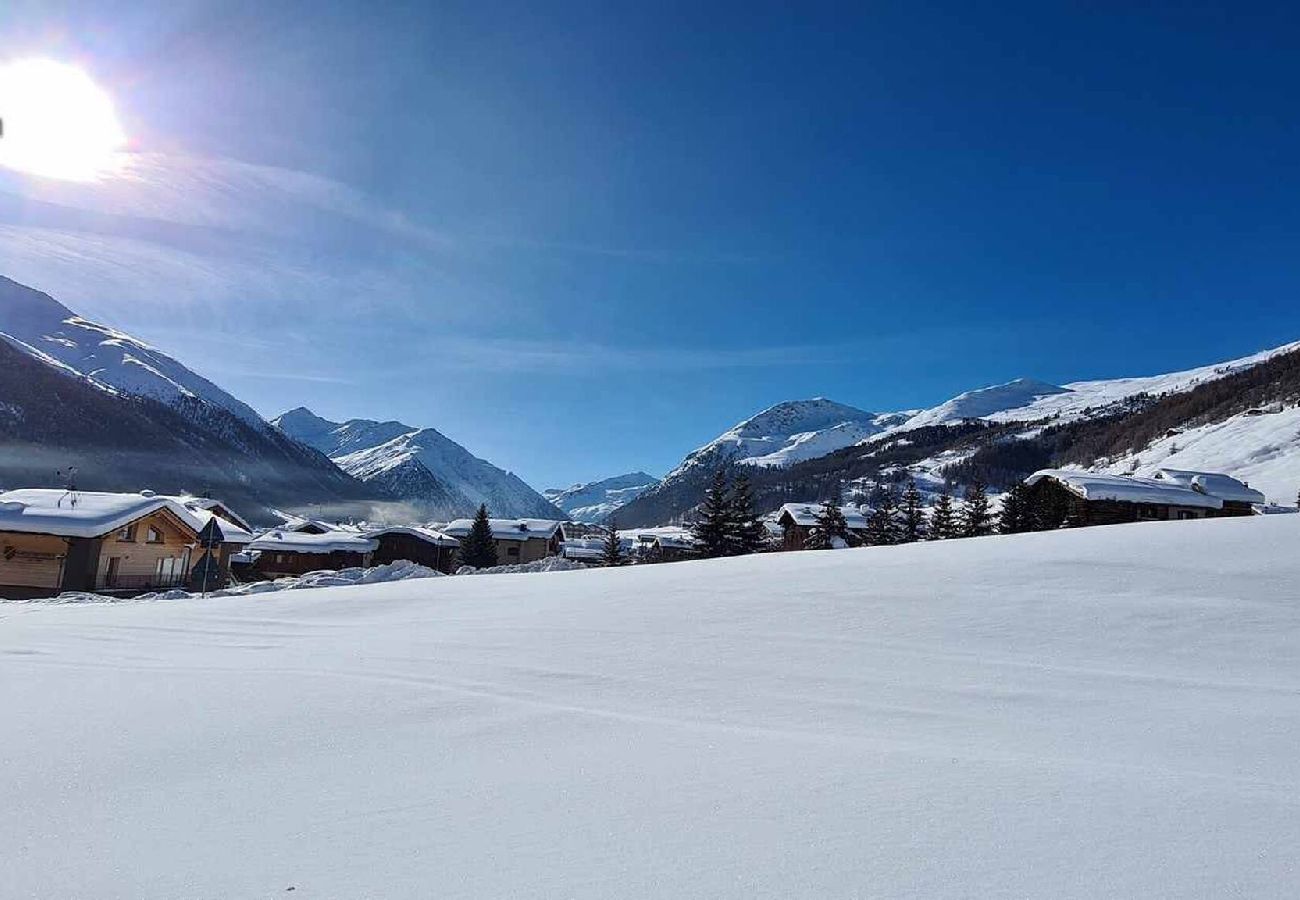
77, 393
42, 327
1026, 399
791, 432
1240, 417
418, 465
777, 438
595, 500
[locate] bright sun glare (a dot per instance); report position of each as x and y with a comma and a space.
57, 122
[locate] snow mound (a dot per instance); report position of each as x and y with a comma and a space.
549, 564
402, 570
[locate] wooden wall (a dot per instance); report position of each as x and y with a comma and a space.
138, 559
31, 560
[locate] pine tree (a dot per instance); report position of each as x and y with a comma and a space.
479, 549
747, 533
882, 526
613, 555
976, 520
943, 521
912, 513
1015, 515
712, 529
831, 524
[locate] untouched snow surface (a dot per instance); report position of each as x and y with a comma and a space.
1112, 712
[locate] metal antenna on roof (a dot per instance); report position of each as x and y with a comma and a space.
69, 479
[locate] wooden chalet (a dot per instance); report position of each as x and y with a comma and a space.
797, 520
424, 546
1090, 498
517, 540
53, 541
1239, 498
281, 553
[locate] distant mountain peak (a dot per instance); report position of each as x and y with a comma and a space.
594, 501
421, 465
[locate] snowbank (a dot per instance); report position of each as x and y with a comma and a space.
1103, 712
549, 564
395, 571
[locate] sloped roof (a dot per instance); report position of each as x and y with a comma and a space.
85, 514
509, 529
807, 513
1126, 488
1215, 484
283, 541
430, 535
208, 504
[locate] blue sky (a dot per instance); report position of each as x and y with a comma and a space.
584, 238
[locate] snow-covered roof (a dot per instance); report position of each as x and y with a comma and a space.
674, 536
807, 513
283, 541
430, 535
1126, 488
85, 514
234, 530
584, 548
209, 504
509, 529
1215, 484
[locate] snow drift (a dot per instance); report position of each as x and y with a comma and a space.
1106, 712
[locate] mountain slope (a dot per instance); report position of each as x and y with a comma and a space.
1237, 417
209, 439
418, 465
777, 438
595, 500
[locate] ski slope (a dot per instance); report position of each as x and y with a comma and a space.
1103, 713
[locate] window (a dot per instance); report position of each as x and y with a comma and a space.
154, 536
512, 551
127, 533
170, 569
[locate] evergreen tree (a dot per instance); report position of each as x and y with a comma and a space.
882, 527
1015, 516
712, 529
912, 514
478, 549
943, 521
830, 525
976, 520
613, 555
747, 533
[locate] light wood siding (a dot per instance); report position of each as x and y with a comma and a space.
31, 560
137, 565
525, 551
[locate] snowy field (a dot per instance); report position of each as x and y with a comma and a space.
1102, 713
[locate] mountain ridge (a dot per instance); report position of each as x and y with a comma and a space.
418, 465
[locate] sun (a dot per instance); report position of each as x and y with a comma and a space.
57, 123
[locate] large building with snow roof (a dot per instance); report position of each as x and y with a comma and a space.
414, 543
517, 540
1093, 498
797, 521
55, 540
281, 552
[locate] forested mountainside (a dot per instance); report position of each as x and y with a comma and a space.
51, 419
1241, 418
